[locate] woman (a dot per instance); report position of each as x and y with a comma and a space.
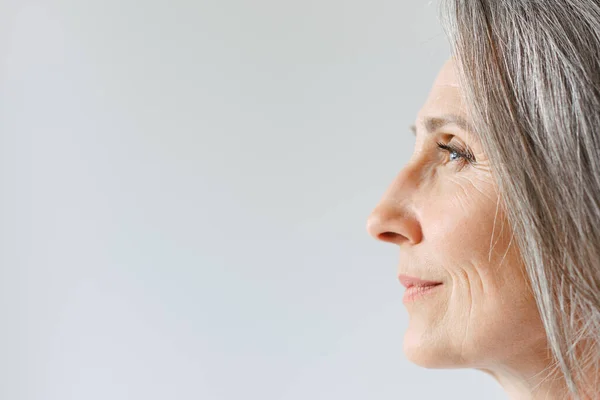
497, 212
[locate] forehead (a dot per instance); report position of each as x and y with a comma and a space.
445, 95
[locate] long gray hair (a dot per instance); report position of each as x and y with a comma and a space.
530, 72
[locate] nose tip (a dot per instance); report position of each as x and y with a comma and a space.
394, 218
379, 226
393, 225
373, 224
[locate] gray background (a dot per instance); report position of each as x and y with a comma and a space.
185, 187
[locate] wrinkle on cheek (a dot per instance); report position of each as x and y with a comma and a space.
466, 198
462, 197
476, 187
484, 187
494, 227
465, 293
476, 279
478, 213
474, 289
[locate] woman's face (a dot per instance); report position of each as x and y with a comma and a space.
444, 214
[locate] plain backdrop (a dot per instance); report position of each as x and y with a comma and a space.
184, 193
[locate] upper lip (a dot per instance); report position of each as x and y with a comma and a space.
408, 281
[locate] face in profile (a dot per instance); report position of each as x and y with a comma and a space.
443, 212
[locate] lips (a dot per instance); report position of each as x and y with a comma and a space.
410, 281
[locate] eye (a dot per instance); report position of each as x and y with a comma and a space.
457, 153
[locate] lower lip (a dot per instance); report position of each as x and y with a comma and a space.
418, 292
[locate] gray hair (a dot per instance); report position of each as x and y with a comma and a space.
530, 72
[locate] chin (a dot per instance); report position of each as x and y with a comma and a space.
430, 351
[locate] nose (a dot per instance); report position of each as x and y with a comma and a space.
395, 219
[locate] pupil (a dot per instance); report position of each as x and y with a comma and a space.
454, 155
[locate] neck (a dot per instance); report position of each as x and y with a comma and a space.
533, 386
534, 376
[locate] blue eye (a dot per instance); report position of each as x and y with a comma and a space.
457, 153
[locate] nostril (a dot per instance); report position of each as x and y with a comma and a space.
389, 236
394, 225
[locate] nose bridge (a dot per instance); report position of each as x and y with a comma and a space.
402, 186
399, 195
394, 218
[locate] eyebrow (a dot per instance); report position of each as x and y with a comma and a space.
434, 123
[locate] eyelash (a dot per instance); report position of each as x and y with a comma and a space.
466, 155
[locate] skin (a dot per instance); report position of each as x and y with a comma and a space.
444, 214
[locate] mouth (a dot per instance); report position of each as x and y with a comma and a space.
410, 281
416, 292
417, 288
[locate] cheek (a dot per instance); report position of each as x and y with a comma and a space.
461, 218
471, 239
466, 233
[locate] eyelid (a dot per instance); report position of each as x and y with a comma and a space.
464, 151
